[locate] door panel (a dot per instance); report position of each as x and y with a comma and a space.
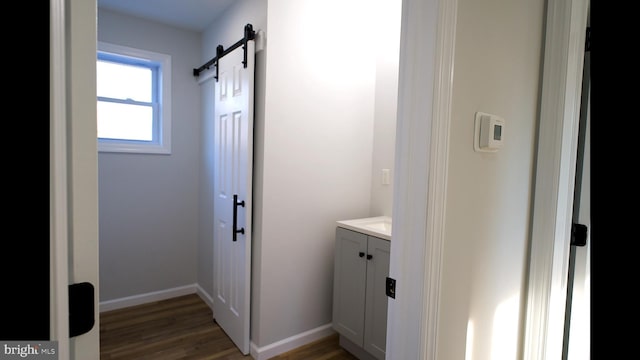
233, 154
350, 272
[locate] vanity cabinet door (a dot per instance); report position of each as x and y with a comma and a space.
349, 284
375, 330
359, 298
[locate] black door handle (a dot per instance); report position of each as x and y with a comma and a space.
235, 216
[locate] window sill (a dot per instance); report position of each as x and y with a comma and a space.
134, 148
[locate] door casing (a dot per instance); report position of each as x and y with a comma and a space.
73, 170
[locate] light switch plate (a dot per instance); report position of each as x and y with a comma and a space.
386, 176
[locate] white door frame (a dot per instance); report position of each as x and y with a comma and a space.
422, 154
58, 232
73, 172
566, 23
578, 329
426, 73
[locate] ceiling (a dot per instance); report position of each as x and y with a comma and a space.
193, 15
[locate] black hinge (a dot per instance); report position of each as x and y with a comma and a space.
578, 234
391, 288
587, 40
81, 308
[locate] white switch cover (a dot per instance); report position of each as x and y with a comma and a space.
386, 176
489, 132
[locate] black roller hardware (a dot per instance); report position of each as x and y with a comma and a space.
249, 34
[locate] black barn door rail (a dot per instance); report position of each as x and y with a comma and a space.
249, 34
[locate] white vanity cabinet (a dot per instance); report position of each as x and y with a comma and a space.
359, 298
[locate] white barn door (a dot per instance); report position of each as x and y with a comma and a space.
233, 151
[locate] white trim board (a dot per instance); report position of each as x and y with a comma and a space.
290, 343
205, 296
59, 232
421, 158
148, 297
439, 172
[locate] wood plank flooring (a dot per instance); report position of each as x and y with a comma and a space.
183, 328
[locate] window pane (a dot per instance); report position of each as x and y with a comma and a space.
122, 81
124, 121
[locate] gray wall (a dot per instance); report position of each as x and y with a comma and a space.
148, 204
497, 66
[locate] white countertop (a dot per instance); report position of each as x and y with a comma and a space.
379, 226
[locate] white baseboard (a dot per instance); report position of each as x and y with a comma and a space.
148, 297
282, 346
204, 296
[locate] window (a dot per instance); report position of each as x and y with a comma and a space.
134, 100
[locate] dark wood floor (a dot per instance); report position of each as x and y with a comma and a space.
183, 328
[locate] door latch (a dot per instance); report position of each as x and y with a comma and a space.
81, 308
391, 287
578, 234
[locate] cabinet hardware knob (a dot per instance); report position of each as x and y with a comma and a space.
369, 256
361, 254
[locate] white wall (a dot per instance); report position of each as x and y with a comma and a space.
318, 139
148, 204
497, 67
387, 15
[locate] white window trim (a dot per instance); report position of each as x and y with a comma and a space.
164, 147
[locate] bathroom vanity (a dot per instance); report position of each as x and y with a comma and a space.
359, 298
